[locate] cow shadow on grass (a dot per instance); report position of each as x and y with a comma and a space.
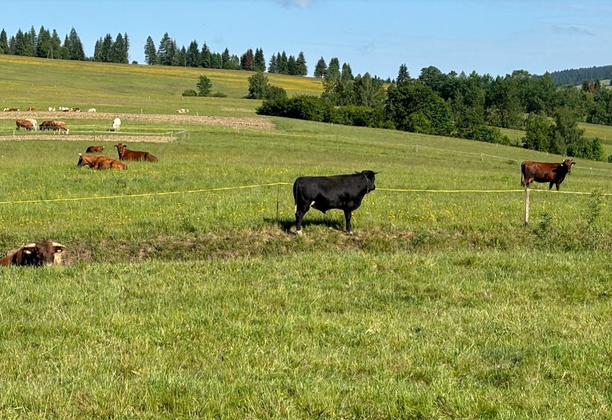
288, 225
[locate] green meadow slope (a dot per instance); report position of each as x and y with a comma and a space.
186, 294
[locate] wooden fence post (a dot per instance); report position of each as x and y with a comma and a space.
526, 206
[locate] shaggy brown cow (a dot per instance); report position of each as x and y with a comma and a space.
125, 154
94, 149
44, 252
101, 162
553, 173
25, 124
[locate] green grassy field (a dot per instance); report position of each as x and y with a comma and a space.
187, 296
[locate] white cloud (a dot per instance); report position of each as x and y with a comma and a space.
301, 4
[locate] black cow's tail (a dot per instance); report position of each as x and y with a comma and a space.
295, 193
523, 174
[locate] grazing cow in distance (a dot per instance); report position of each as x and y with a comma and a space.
116, 124
51, 109
553, 173
125, 154
75, 109
94, 149
53, 125
344, 192
24, 124
64, 109
91, 110
34, 122
100, 162
11, 109
182, 111
44, 252
30, 109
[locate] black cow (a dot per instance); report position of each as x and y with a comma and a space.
343, 192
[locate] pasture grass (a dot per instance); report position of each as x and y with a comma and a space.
196, 300
341, 335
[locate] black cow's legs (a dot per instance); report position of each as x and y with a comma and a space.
347, 216
299, 215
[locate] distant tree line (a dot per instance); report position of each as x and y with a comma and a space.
465, 106
577, 76
44, 44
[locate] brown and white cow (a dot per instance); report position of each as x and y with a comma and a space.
101, 162
553, 173
126, 154
53, 125
24, 124
43, 252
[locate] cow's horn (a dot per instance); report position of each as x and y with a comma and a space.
80, 154
58, 244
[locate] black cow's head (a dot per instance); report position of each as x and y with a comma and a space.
568, 164
369, 175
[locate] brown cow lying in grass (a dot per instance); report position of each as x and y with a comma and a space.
94, 149
125, 154
101, 162
44, 252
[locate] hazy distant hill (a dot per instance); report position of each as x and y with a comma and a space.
577, 76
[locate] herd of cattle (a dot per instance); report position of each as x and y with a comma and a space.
50, 109
30, 124
343, 192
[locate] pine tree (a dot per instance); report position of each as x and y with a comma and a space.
291, 66
302, 69
259, 62
273, 66
43, 43
215, 61
118, 51
193, 54
402, 74
33, 40
206, 57
150, 52
106, 50
97, 50
166, 50
246, 61
347, 73
126, 43
75, 46
56, 44
3, 42
333, 70
320, 68
226, 60
11, 45
282, 62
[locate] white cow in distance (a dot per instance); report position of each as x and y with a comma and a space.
116, 124
91, 110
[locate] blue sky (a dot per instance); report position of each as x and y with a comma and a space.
375, 36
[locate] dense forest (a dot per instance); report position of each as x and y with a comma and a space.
466, 106
577, 76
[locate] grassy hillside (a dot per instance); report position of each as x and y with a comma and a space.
186, 297
40, 83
